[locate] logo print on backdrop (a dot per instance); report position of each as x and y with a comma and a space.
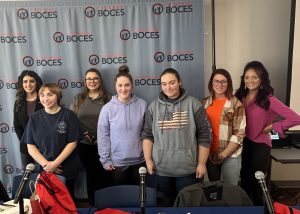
3, 149
124, 34
172, 7
22, 13
37, 13
63, 83
12, 38
1, 84
4, 128
28, 61
94, 59
42, 61
147, 80
90, 12
157, 9
159, 57
108, 59
8, 169
58, 37
174, 56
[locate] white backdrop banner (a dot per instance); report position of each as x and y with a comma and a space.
60, 40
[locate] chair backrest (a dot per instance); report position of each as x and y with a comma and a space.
27, 192
212, 194
123, 196
3, 194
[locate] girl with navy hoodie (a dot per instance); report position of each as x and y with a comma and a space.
119, 132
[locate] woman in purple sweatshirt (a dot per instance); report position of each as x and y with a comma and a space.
264, 112
119, 132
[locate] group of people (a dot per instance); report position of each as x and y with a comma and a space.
177, 137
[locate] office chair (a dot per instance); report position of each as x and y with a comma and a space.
123, 196
26, 192
214, 193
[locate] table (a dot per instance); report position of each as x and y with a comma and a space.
290, 155
284, 156
191, 210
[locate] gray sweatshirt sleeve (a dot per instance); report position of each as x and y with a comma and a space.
147, 129
204, 134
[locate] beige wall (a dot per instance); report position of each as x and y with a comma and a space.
249, 30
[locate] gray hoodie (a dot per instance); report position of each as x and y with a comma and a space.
176, 129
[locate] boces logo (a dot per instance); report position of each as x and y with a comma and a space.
8, 85
60, 37
173, 56
64, 84
113, 10
8, 169
1, 84
3, 149
14, 38
4, 128
108, 59
172, 7
147, 80
52, 61
37, 13
125, 34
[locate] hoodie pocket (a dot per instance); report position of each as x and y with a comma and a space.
176, 162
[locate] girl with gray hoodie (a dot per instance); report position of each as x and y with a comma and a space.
119, 132
176, 138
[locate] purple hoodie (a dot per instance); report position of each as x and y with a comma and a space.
119, 132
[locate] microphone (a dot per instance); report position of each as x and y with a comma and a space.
29, 169
260, 176
142, 172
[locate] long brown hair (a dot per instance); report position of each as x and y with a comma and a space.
225, 73
103, 93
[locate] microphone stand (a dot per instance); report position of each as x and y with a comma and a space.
21, 205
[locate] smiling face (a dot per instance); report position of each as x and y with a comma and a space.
220, 85
92, 81
48, 99
170, 85
252, 80
124, 88
29, 84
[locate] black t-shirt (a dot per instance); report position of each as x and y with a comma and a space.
50, 133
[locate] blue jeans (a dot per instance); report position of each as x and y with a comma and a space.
170, 186
229, 169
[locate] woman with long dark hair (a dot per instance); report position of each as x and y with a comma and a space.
264, 112
87, 106
27, 102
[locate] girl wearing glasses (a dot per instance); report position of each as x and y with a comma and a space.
87, 105
27, 102
119, 132
264, 112
227, 117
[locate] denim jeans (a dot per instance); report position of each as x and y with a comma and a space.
229, 169
170, 186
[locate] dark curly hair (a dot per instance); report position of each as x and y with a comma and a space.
265, 89
21, 93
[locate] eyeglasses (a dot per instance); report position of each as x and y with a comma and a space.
218, 82
92, 79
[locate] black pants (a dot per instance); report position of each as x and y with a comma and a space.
127, 175
255, 157
97, 178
